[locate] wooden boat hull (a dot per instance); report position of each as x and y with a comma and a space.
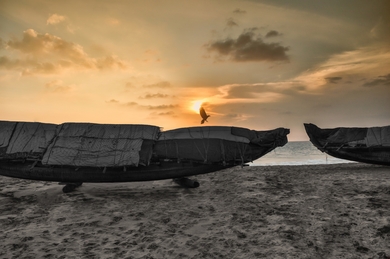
379, 155
161, 171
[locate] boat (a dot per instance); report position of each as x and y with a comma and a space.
75, 153
367, 145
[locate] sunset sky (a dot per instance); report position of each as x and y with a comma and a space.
256, 64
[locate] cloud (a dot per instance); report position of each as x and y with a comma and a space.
162, 107
28, 66
341, 69
110, 62
267, 92
236, 116
381, 80
248, 48
355, 65
162, 84
46, 53
243, 91
55, 18
381, 29
239, 11
141, 106
131, 104
170, 113
272, 33
333, 80
112, 101
151, 96
231, 23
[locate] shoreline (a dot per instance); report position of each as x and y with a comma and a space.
278, 211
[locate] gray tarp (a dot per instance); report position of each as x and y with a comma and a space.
216, 132
216, 143
6, 130
378, 136
345, 135
25, 139
31, 137
99, 145
374, 136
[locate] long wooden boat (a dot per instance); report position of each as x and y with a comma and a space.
74, 153
366, 145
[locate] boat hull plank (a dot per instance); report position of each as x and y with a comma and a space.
169, 170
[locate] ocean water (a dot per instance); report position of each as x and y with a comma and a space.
297, 153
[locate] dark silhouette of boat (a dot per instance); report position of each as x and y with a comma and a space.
73, 153
366, 145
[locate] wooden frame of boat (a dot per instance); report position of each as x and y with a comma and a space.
358, 152
158, 171
73, 177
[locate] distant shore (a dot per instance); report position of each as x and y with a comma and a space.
302, 211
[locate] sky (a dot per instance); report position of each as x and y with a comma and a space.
256, 64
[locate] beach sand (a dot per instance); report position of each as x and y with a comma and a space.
312, 211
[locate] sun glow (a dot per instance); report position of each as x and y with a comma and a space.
196, 105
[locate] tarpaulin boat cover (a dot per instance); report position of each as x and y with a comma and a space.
217, 132
6, 130
345, 135
375, 136
378, 136
276, 137
214, 143
27, 139
100, 145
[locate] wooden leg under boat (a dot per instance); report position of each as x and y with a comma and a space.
186, 182
69, 187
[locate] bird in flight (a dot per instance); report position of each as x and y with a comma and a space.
203, 114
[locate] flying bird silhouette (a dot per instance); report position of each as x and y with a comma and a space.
203, 114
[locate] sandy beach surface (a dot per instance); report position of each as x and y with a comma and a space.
312, 211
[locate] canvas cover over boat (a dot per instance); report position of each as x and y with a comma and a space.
215, 143
6, 130
25, 139
378, 136
370, 137
101, 145
116, 145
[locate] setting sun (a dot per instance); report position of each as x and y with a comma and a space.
196, 105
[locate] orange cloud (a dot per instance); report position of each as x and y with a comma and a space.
47, 53
55, 18
162, 84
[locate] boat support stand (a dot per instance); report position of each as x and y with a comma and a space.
186, 182
69, 187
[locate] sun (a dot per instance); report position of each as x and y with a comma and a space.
196, 105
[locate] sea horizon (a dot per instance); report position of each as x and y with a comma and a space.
297, 153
